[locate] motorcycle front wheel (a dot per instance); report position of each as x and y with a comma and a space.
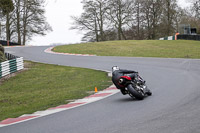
134, 93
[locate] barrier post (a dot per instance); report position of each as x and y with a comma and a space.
176, 35
8, 43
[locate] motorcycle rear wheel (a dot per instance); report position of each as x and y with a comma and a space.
133, 92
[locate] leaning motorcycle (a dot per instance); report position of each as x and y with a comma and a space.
129, 82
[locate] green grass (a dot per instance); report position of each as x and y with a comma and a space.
43, 86
133, 48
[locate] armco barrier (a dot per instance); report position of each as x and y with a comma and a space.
11, 66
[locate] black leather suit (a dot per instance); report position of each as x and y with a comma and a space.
118, 73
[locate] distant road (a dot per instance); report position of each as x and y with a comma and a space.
173, 108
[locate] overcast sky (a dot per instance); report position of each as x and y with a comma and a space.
58, 14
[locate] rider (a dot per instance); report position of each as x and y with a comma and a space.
117, 73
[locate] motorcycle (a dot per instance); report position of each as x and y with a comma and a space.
129, 82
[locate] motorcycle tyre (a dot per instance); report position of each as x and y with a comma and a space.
134, 93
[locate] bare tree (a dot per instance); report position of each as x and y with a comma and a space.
18, 19
196, 8
138, 8
6, 6
153, 12
119, 14
92, 20
26, 20
178, 17
33, 20
131, 19
169, 11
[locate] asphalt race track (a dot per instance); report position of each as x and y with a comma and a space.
174, 106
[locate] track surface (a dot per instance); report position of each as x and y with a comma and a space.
173, 108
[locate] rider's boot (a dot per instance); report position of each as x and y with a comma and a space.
148, 92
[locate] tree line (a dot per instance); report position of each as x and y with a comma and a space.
20, 20
103, 20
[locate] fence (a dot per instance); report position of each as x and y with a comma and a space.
189, 37
182, 37
7, 43
13, 64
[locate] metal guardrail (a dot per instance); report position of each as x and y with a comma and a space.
13, 64
10, 56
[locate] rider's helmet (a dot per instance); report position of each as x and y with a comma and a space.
114, 68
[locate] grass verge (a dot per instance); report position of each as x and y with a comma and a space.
135, 48
43, 86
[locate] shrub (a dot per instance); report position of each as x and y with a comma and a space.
2, 54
